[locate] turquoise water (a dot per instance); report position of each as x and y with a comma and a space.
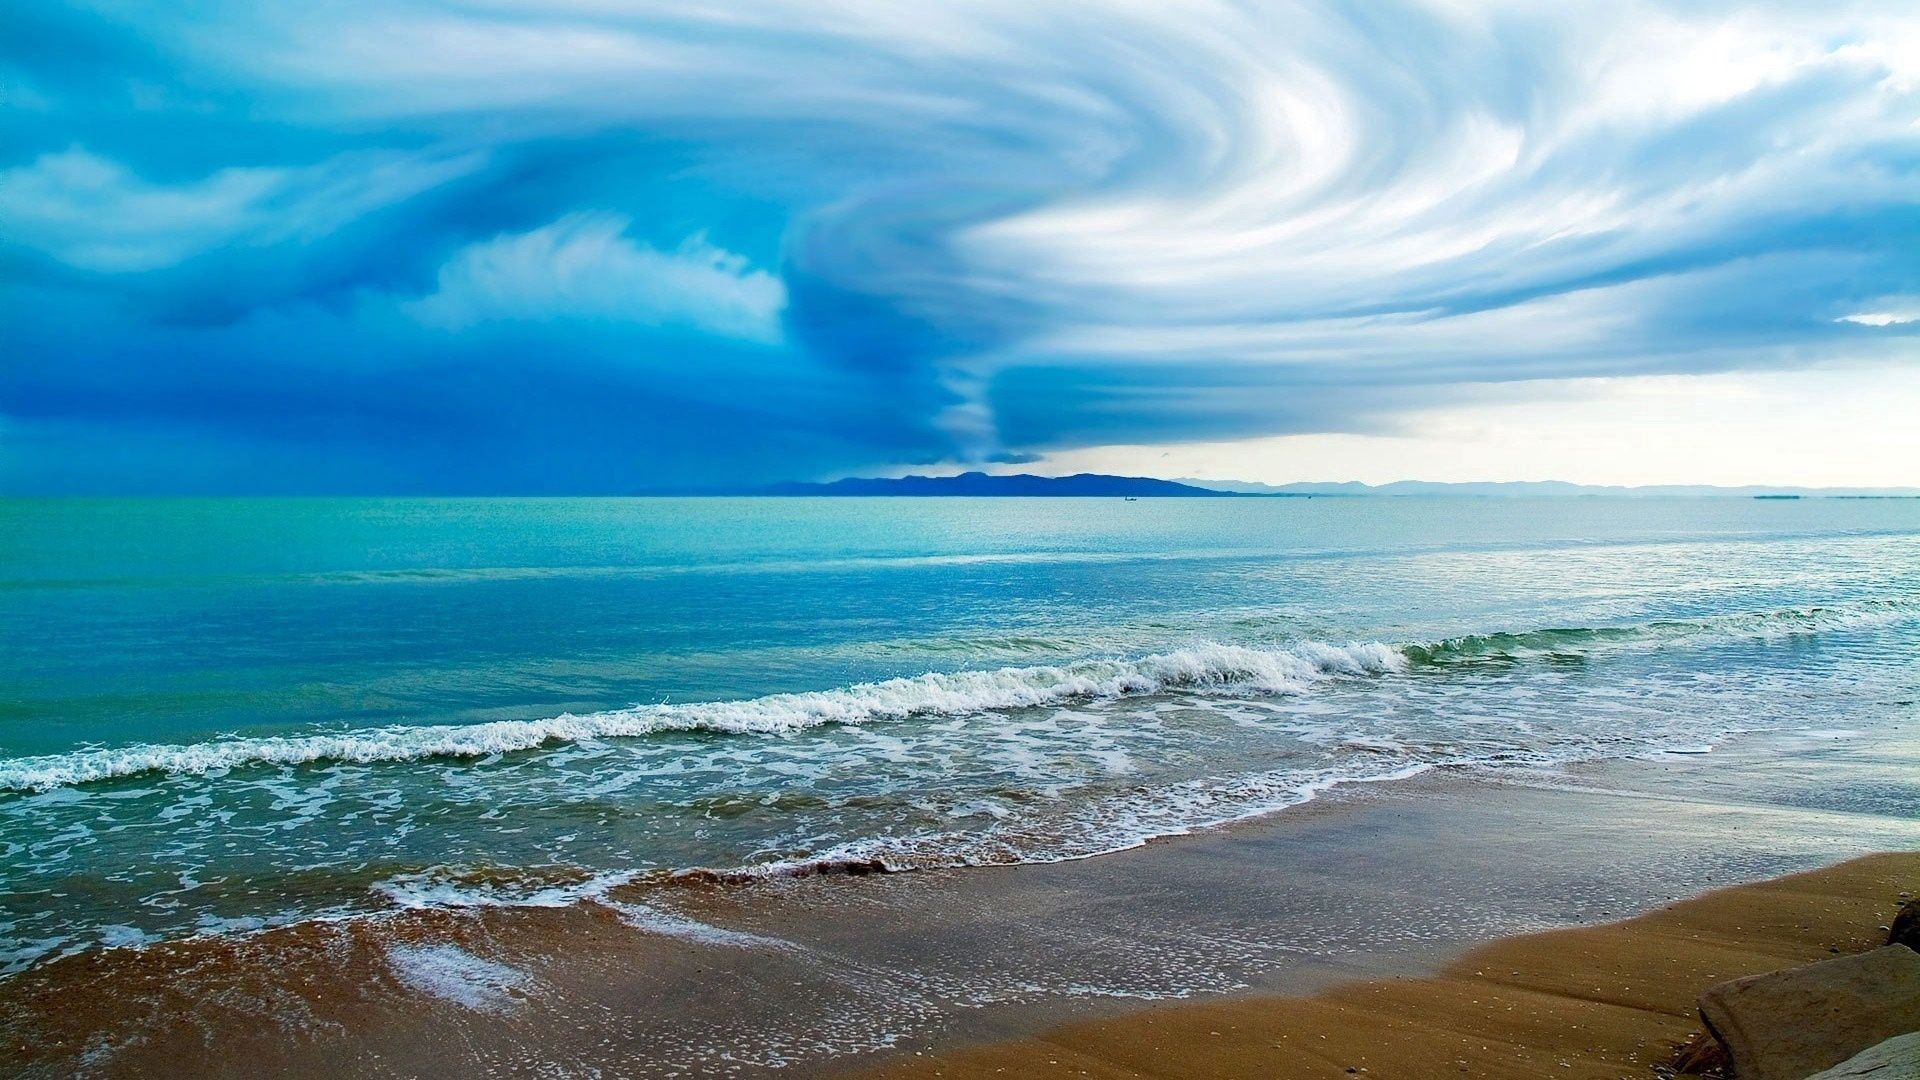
218, 715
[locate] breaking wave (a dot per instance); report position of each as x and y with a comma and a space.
1227, 668
1202, 668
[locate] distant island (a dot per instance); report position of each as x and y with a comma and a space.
1105, 486
979, 483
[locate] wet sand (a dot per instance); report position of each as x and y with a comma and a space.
1606, 1001
1357, 896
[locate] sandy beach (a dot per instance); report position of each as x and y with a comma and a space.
1595, 1002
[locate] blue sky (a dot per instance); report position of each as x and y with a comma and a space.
594, 246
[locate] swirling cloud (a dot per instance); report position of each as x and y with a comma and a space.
965, 231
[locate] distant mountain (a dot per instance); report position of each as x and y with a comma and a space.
1548, 488
979, 483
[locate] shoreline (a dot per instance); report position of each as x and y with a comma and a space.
839, 974
1613, 1000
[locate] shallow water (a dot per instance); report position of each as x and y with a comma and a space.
221, 714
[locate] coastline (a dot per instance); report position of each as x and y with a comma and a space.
825, 976
1614, 1000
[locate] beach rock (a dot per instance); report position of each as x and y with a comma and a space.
1906, 926
1895, 1059
1700, 1055
1790, 1024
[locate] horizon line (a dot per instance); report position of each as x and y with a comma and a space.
1227, 486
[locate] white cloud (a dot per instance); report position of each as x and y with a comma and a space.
583, 266
93, 213
1880, 318
96, 214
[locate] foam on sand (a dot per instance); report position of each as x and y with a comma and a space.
452, 974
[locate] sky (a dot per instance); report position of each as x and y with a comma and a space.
486, 246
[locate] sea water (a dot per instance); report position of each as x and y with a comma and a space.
219, 715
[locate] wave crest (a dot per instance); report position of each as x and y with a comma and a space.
1206, 667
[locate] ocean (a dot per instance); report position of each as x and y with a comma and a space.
227, 714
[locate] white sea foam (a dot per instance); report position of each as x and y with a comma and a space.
1105, 827
653, 920
453, 974
1205, 667
452, 887
460, 888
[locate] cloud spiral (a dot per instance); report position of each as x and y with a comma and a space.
727, 242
